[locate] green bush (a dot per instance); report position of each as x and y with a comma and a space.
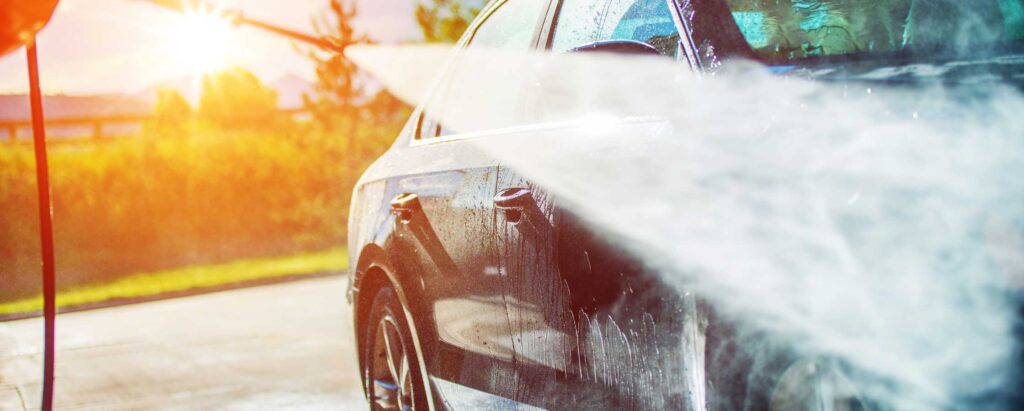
148, 203
236, 100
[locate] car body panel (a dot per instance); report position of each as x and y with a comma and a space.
528, 307
473, 280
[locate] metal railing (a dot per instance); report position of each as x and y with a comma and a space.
96, 122
11, 127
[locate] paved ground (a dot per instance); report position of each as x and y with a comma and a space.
273, 347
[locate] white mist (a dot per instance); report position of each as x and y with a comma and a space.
876, 225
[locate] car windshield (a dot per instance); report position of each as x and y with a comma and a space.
787, 31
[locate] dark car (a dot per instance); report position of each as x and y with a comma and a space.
473, 288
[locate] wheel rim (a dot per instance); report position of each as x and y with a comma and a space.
810, 385
390, 371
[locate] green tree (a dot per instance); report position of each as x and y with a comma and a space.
235, 99
342, 103
384, 108
171, 113
338, 88
444, 21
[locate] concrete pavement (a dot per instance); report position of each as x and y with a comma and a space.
285, 346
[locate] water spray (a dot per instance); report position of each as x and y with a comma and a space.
857, 224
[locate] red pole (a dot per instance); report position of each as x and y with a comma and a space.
45, 225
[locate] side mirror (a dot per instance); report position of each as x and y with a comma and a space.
20, 20
617, 47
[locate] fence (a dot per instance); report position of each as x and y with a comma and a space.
97, 123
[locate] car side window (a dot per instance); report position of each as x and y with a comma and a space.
510, 26
583, 22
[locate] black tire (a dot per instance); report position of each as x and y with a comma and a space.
390, 361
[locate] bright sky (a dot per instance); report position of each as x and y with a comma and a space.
126, 46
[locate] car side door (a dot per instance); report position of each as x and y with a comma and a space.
581, 331
445, 224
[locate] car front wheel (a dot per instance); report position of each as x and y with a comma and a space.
391, 363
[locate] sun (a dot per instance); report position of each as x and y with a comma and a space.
202, 39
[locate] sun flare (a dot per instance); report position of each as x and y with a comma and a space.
203, 37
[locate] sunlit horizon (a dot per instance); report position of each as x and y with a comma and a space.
201, 40
130, 47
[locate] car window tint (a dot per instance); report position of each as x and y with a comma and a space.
428, 127
586, 21
786, 31
509, 27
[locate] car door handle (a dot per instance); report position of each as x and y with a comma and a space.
513, 198
512, 201
404, 205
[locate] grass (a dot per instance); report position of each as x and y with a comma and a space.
142, 285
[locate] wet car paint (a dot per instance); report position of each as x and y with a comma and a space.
547, 314
525, 306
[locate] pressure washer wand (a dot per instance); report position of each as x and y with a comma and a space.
238, 18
